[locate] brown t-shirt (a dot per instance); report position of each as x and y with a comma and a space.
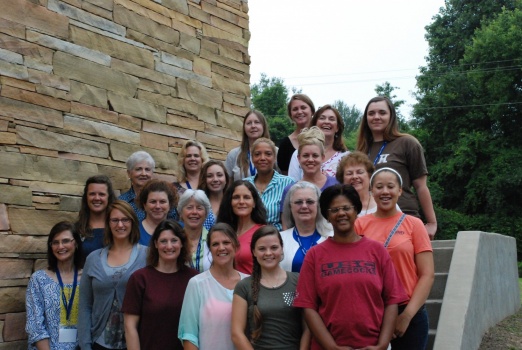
404, 154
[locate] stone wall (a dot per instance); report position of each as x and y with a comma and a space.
83, 84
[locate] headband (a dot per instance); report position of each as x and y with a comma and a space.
386, 169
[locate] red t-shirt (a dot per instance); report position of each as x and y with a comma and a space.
244, 262
349, 284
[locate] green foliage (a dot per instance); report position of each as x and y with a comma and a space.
351, 116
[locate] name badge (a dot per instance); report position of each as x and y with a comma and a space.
67, 335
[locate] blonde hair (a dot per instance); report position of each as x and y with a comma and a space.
182, 175
311, 136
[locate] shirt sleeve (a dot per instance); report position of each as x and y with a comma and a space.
416, 161
86, 302
190, 312
242, 287
306, 289
134, 294
35, 308
420, 238
294, 169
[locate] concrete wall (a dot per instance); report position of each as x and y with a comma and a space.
83, 84
482, 289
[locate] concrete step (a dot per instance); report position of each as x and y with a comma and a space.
439, 285
431, 339
448, 243
442, 258
433, 307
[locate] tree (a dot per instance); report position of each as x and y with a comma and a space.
351, 116
270, 96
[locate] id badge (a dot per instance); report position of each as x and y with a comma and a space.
67, 335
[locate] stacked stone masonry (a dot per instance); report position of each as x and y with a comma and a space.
85, 83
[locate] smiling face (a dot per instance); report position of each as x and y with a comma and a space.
222, 249
168, 245
357, 176
215, 178
343, 220
386, 191
193, 160
263, 157
378, 117
310, 158
157, 206
268, 252
63, 252
120, 225
97, 197
242, 201
253, 127
140, 174
300, 113
303, 205
327, 122
193, 214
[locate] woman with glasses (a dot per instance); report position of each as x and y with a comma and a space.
105, 277
52, 296
348, 282
307, 225
154, 295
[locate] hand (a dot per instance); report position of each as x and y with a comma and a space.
403, 321
431, 227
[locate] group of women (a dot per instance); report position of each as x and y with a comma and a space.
240, 255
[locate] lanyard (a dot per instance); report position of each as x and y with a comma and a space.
188, 185
379, 154
251, 166
392, 232
198, 252
68, 305
298, 239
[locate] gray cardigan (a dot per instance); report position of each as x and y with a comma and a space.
97, 293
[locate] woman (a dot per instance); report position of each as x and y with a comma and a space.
300, 110
105, 277
410, 252
329, 121
307, 225
207, 307
190, 160
380, 139
263, 301
97, 195
348, 282
214, 181
156, 199
193, 209
52, 296
140, 167
268, 182
243, 209
239, 160
154, 295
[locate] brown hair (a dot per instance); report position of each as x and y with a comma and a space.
203, 176
242, 159
354, 158
82, 225
155, 185
168, 225
126, 210
299, 97
338, 143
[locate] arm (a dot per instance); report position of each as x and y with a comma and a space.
131, 331
319, 331
239, 322
189, 346
426, 273
85, 308
43, 344
306, 337
189, 322
424, 195
35, 306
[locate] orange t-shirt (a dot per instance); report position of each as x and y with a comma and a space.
411, 238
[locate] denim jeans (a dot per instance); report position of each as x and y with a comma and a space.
416, 336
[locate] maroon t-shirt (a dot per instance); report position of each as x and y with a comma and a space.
157, 298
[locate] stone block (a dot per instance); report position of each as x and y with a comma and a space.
121, 151
143, 73
3, 125
40, 264
148, 9
35, 16
105, 4
12, 299
190, 42
91, 73
167, 130
15, 268
33, 223
154, 141
94, 112
235, 109
228, 120
183, 28
13, 70
38, 151
235, 99
177, 5
226, 26
156, 88
12, 57
14, 327
138, 108
36, 52
12, 28
146, 26
225, 84
34, 98
126, 121
199, 14
169, 102
202, 66
52, 199
212, 9
227, 62
59, 142
216, 141
209, 46
153, 42
16, 195
14, 345
100, 129
22, 282
71, 204
183, 73
112, 47
223, 132
56, 93
29, 112
21, 84
85, 17
231, 53
77, 50
187, 123
51, 80
7, 138
89, 95
176, 61
41, 168
204, 95
187, 19
95, 10
4, 218
33, 63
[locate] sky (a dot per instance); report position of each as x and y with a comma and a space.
341, 49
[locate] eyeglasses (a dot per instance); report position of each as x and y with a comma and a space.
115, 221
64, 241
300, 202
346, 209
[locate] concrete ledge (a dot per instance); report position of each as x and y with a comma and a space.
482, 289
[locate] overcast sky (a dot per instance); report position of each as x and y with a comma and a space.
340, 49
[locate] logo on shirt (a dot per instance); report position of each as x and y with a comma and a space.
350, 266
288, 298
382, 158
